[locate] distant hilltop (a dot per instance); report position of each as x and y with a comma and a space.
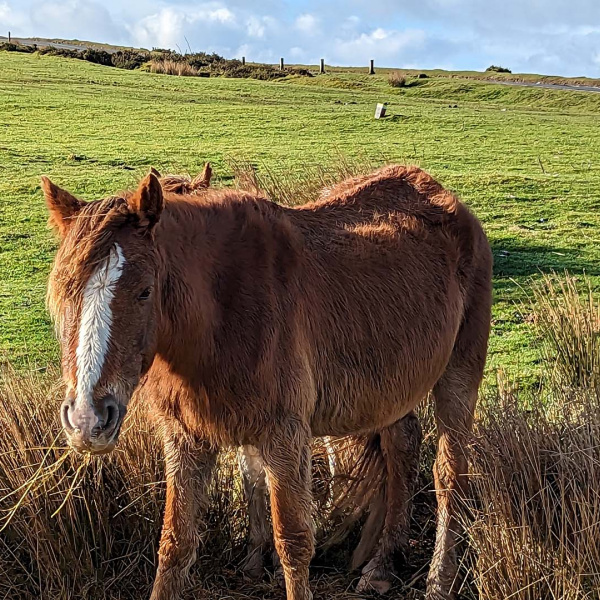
202, 64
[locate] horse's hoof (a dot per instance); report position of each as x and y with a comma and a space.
370, 584
253, 566
375, 578
436, 591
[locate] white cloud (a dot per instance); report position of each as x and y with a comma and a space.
8, 17
524, 35
256, 28
380, 45
174, 27
297, 53
308, 24
91, 20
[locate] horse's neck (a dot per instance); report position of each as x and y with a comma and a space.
184, 278
223, 267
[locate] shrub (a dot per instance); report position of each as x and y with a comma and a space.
100, 57
202, 59
497, 69
129, 59
12, 47
64, 52
397, 79
124, 59
167, 62
261, 72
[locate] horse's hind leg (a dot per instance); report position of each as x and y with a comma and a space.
255, 491
455, 398
400, 445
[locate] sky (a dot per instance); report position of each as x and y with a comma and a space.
556, 37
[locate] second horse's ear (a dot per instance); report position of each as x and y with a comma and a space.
147, 201
62, 206
203, 180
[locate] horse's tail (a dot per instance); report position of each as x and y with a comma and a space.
359, 490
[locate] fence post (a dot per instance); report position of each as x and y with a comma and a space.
281, 64
372, 68
322, 68
243, 60
9, 37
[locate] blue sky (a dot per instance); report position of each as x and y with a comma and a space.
541, 36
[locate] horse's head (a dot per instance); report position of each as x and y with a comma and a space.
103, 294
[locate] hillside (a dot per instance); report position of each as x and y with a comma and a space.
525, 160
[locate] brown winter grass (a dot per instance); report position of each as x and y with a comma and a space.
293, 189
172, 67
75, 527
397, 79
534, 513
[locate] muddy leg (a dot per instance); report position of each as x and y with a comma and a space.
455, 404
189, 464
287, 457
455, 398
255, 490
400, 445
333, 468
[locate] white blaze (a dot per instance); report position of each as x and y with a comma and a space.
95, 324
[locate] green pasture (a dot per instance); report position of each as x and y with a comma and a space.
526, 160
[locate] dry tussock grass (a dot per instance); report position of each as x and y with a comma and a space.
535, 501
172, 67
88, 528
299, 187
397, 79
533, 521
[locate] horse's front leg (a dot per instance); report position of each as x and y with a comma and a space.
287, 459
189, 464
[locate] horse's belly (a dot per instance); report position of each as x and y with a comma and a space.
368, 390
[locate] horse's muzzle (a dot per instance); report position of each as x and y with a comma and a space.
92, 428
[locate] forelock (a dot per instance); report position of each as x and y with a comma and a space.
87, 245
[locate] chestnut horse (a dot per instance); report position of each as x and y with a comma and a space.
242, 322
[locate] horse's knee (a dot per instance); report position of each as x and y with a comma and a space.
177, 554
175, 558
295, 549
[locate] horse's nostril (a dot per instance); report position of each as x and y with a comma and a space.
64, 415
110, 415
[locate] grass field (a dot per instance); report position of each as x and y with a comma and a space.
525, 160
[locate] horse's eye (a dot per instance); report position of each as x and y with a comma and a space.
145, 294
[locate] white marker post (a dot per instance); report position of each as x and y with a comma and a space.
380, 111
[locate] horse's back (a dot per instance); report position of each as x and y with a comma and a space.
389, 263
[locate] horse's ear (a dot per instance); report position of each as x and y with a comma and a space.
61, 205
155, 172
203, 180
147, 202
